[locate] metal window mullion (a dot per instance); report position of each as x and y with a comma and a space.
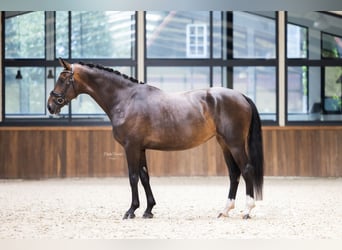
140, 43
2, 69
69, 45
229, 48
211, 41
281, 68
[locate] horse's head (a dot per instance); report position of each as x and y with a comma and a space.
64, 90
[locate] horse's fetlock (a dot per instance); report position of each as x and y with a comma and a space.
135, 205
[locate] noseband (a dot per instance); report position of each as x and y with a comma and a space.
60, 98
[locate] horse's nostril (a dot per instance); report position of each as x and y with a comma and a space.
49, 108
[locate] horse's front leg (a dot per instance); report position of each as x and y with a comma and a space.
145, 180
133, 157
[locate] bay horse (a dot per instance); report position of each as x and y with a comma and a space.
145, 117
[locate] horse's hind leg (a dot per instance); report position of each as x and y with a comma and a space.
248, 174
234, 176
145, 180
240, 157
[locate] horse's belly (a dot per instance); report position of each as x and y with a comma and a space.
179, 139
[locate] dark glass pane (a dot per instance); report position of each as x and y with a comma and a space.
108, 34
331, 46
25, 36
173, 79
297, 90
254, 36
259, 83
62, 34
296, 41
177, 34
25, 96
332, 90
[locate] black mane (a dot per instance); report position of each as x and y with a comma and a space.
101, 67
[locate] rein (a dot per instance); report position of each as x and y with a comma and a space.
60, 98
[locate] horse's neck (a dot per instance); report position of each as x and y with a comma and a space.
107, 92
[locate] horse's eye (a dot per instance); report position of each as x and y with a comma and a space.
60, 100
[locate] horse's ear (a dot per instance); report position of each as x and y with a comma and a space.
64, 64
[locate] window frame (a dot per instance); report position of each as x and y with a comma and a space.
299, 62
225, 63
255, 62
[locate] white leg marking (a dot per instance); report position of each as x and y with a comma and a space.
229, 206
250, 204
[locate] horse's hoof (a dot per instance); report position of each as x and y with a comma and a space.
148, 215
222, 215
128, 216
246, 217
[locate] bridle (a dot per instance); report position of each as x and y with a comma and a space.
60, 98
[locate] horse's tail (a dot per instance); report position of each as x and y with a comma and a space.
255, 150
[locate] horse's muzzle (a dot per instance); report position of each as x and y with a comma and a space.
53, 108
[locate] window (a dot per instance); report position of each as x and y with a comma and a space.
36, 39
25, 36
24, 88
331, 46
297, 41
332, 90
298, 89
183, 50
195, 49
180, 49
62, 34
173, 79
108, 34
254, 35
177, 34
259, 83
25, 96
196, 40
332, 81
314, 67
254, 44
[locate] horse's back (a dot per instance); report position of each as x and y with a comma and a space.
223, 105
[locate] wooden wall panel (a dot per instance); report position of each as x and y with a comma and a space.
45, 152
32, 154
106, 157
298, 151
94, 153
9, 166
